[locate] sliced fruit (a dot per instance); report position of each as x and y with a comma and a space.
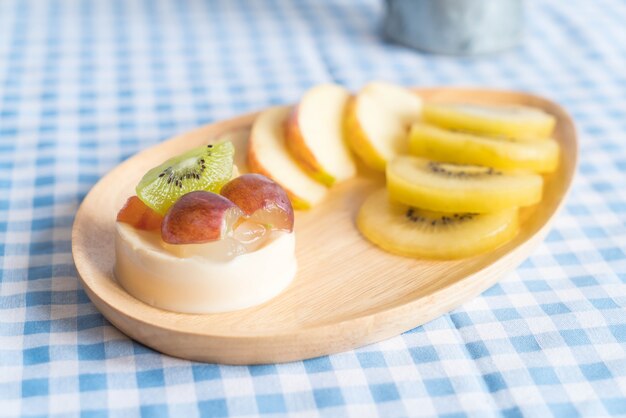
315, 136
262, 199
434, 143
203, 168
460, 188
136, 213
268, 155
378, 120
509, 120
412, 232
199, 217
244, 237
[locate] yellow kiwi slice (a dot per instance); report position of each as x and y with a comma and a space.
434, 143
509, 120
412, 232
445, 187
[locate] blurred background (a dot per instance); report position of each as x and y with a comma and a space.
134, 72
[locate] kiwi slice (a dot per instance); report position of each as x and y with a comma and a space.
413, 232
460, 187
208, 168
513, 121
439, 144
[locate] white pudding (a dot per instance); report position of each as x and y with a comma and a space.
207, 282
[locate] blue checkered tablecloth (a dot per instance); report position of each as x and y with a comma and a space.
85, 84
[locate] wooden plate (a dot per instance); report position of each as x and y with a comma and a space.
347, 293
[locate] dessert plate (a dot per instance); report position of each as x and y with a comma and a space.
347, 292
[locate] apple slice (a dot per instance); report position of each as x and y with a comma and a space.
268, 155
315, 134
199, 217
378, 120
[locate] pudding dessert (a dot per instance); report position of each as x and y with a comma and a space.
194, 241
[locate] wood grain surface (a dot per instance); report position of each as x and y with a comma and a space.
347, 292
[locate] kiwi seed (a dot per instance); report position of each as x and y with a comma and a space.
436, 168
414, 215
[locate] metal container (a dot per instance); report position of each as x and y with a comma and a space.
460, 27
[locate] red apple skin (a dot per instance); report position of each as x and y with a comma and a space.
262, 199
139, 215
297, 146
198, 217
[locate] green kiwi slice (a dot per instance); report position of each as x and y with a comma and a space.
204, 168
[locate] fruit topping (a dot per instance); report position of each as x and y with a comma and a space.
205, 168
262, 200
412, 232
199, 217
136, 213
432, 142
509, 120
460, 188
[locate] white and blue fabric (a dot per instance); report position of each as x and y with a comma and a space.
85, 84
